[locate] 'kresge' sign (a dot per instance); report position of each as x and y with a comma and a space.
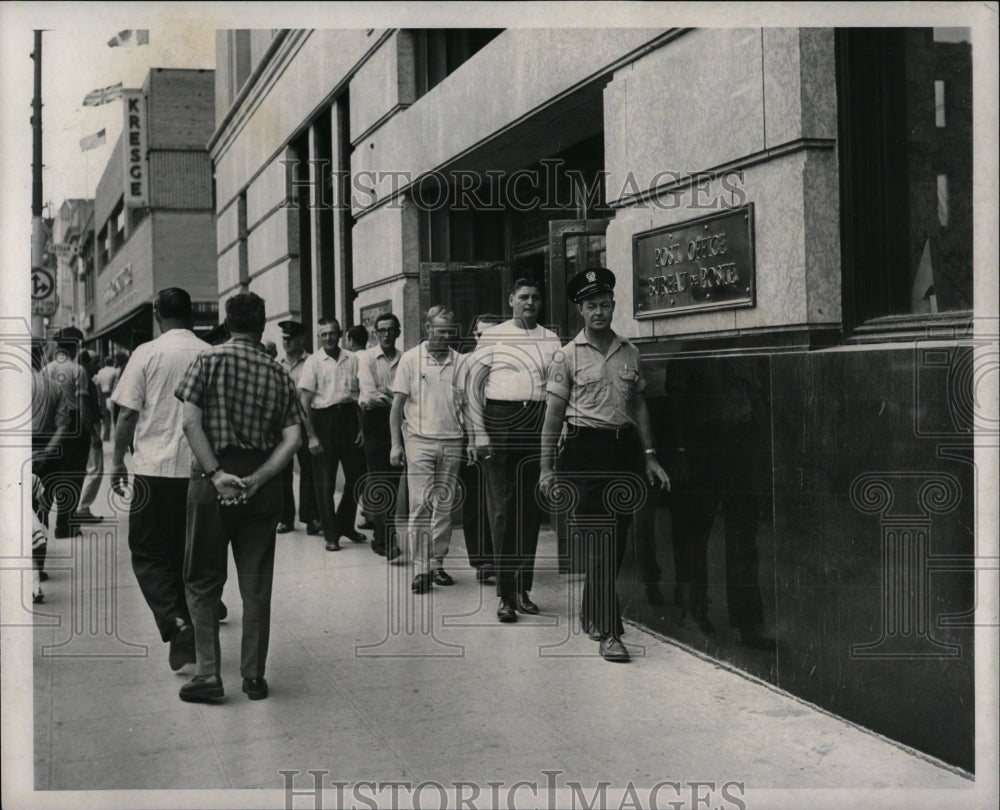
704, 263
134, 158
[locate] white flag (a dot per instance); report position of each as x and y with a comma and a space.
129, 38
93, 141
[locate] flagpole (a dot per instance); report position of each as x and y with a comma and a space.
37, 233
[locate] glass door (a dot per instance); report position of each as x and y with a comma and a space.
574, 245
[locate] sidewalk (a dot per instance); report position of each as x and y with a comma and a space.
369, 682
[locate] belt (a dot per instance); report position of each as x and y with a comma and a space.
605, 434
519, 403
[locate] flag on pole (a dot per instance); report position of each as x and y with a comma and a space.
93, 141
130, 38
95, 98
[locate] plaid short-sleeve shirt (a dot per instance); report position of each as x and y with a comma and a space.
246, 398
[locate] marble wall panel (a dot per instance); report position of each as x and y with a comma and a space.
692, 105
271, 239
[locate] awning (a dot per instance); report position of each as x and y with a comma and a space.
129, 330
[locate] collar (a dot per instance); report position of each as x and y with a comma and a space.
302, 358
616, 342
449, 359
342, 354
248, 339
378, 351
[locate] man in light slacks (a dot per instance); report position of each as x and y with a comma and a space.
427, 436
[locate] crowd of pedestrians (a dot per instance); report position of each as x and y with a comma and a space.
517, 423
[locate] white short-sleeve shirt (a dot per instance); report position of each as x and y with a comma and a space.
147, 385
434, 392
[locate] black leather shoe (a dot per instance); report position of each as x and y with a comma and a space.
380, 550
392, 553
442, 577
43, 576
202, 689
223, 611
525, 605
181, 647
255, 688
485, 573
333, 545
356, 537
593, 632
612, 649
283, 528
314, 527
506, 611
421, 583
755, 640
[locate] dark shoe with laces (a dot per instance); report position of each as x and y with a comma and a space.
283, 528
314, 527
255, 688
442, 577
525, 605
507, 610
421, 583
392, 553
485, 573
181, 647
356, 537
612, 649
593, 632
333, 545
202, 689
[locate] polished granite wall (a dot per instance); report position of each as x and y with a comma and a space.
865, 543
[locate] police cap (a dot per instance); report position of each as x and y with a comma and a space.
590, 282
291, 328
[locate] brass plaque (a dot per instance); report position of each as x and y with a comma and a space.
702, 264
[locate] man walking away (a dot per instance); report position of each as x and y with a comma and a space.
243, 421
150, 422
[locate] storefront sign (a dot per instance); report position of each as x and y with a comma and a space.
120, 283
701, 264
135, 147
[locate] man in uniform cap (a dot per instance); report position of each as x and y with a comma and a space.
293, 336
595, 384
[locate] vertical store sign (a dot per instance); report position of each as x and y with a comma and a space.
134, 159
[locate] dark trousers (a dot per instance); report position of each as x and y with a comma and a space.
63, 482
475, 515
337, 429
725, 469
156, 538
603, 469
250, 528
512, 473
382, 479
307, 490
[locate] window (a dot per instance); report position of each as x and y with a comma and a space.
440, 51
905, 120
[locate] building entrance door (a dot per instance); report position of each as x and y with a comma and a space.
574, 245
467, 288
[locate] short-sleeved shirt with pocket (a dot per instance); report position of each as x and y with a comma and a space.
598, 388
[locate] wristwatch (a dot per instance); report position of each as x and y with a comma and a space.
212, 473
